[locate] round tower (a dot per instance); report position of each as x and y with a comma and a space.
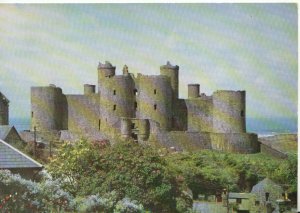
229, 111
193, 90
4, 110
106, 70
46, 113
144, 129
126, 127
154, 100
117, 99
89, 89
172, 72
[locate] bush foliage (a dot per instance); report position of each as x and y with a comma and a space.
128, 177
209, 171
131, 170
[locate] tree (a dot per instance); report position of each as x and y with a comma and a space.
131, 170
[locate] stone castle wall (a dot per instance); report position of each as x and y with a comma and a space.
4, 110
47, 108
193, 141
83, 113
180, 115
229, 111
154, 100
117, 99
200, 114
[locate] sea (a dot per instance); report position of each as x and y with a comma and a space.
262, 126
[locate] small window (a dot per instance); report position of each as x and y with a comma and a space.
154, 91
32, 114
257, 203
242, 113
155, 106
132, 125
99, 124
115, 107
135, 105
239, 200
114, 92
135, 91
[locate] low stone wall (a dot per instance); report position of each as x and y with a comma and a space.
235, 142
194, 141
184, 141
270, 151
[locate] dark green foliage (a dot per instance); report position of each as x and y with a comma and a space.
208, 171
132, 171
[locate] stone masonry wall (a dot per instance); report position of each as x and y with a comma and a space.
235, 142
180, 115
200, 118
3, 111
154, 100
194, 141
229, 111
83, 113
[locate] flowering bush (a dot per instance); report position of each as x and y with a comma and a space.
19, 195
128, 206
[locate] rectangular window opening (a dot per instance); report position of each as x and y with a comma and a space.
99, 124
135, 91
242, 113
154, 91
32, 114
115, 107
114, 92
155, 106
135, 105
132, 125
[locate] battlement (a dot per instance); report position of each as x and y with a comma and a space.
168, 65
106, 65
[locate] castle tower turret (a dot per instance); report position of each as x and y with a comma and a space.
193, 90
106, 70
89, 89
154, 100
126, 127
144, 129
116, 97
46, 108
4, 110
172, 72
229, 111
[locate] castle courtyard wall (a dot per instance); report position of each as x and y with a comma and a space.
83, 113
200, 114
195, 141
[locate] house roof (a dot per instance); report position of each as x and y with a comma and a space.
233, 195
11, 158
4, 131
275, 191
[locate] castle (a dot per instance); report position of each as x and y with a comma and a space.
147, 109
4, 108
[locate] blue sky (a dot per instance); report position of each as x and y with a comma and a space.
250, 47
